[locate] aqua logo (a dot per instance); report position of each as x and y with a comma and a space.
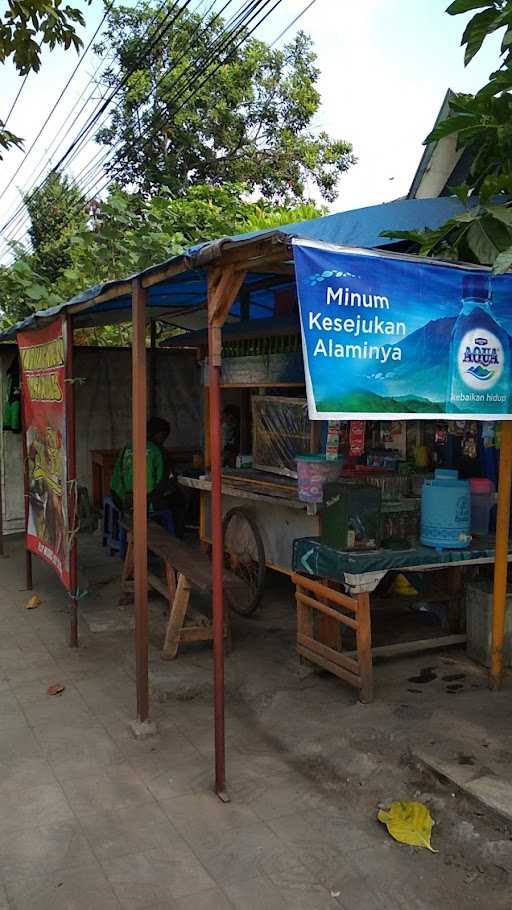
480, 360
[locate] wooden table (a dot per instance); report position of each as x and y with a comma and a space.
102, 467
358, 574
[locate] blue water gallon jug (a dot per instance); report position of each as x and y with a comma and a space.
446, 511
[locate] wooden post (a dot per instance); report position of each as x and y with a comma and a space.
71, 479
364, 646
223, 287
501, 561
140, 529
152, 370
26, 494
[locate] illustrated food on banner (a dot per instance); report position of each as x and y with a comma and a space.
43, 373
384, 333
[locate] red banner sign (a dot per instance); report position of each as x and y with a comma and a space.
43, 374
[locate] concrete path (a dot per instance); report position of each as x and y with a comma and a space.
91, 819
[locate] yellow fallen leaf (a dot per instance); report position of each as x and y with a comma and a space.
409, 823
33, 602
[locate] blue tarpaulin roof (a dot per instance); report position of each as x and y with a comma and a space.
181, 295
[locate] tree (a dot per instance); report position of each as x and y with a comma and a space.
26, 27
56, 211
483, 124
250, 121
127, 234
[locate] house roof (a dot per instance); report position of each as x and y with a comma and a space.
178, 286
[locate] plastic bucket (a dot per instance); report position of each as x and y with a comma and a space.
313, 471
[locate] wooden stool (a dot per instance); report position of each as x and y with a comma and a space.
193, 571
335, 610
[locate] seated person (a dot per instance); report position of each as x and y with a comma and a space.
163, 491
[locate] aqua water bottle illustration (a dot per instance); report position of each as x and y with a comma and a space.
480, 356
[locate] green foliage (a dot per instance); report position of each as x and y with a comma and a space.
25, 27
482, 124
129, 233
250, 122
56, 212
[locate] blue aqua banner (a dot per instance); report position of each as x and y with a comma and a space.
386, 334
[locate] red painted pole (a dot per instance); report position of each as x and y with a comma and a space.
217, 560
140, 518
71, 481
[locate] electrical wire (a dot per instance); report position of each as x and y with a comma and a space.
14, 221
158, 33
293, 22
59, 99
13, 105
39, 168
241, 21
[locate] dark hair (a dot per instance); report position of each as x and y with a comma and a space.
231, 410
157, 425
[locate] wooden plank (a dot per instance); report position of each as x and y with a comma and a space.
158, 585
326, 610
224, 286
348, 663
169, 271
240, 492
415, 647
323, 591
330, 666
196, 633
176, 619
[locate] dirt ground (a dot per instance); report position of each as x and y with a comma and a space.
91, 818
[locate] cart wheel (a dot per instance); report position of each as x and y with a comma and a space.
244, 555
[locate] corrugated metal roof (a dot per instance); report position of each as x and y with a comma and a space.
187, 290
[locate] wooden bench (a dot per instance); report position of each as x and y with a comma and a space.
193, 571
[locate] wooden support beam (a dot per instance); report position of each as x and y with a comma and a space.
140, 528
223, 287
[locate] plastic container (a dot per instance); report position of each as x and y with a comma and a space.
482, 501
445, 511
313, 471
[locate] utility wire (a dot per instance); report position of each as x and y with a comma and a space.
19, 215
242, 19
293, 22
216, 47
110, 179
246, 14
54, 108
13, 105
158, 32
92, 81
189, 80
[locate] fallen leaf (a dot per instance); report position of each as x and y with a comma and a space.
56, 689
33, 603
409, 823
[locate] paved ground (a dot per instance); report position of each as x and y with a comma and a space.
90, 819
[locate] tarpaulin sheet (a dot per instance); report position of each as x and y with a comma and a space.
312, 557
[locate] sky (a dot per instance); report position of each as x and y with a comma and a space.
385, 67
